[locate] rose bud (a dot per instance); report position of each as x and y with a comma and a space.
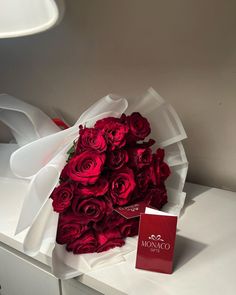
139, 127
62, 196
91, 209
69, 228
91, 139
86, 243
109, 239
122, 184
117, 158
86, 167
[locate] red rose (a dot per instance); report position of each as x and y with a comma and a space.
114, 220
69, 228
86, 167
91, 209
109, 239
161, 169
117, 158
144, 178
101, 124
91, 139
122, 185
114, 131
160, 155
99, 188
139, 127
62, 196
86, 243
140, 157
130, 227
109, 221
157, 197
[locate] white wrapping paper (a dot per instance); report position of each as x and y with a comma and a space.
39, 155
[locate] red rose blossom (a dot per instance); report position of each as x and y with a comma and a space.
161, 169
117, 158
62, 196
109, 239
99, 188
122, 184
139, 127
91, 139
157, 197
144, 178
101, 124
91, 209
130, 227
86, 243
86, 167
69, 228
140, 157
114, 132
109, 221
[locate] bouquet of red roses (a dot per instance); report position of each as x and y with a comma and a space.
110, 166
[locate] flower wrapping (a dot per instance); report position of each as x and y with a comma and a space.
42, 172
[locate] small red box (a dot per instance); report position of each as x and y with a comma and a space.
156, 242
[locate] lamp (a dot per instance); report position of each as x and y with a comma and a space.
26, 17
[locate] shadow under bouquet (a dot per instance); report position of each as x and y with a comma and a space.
111, 168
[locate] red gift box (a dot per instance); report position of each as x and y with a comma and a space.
156, 242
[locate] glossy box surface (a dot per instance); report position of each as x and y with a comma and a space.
156, 242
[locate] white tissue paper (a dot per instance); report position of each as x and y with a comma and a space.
39, 153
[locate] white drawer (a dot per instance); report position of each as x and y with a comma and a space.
74, 287
19, 276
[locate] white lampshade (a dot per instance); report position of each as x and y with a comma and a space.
26, 17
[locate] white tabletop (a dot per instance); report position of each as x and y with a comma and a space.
205, 255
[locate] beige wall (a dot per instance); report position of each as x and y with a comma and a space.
186, 50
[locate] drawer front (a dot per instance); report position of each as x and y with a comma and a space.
19, 276
74, 287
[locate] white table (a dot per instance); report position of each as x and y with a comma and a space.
205, 255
